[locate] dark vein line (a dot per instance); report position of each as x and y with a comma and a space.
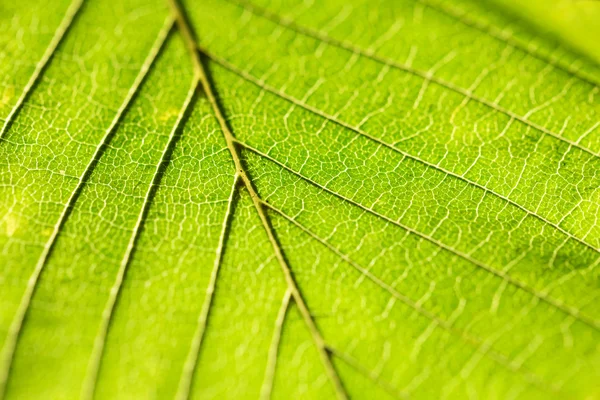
355, 365
91, 378
474, 341
187, 375
312, 327
507, 38
572, 311
59, 35
427, 76
261, 84
229, 138
17, 322
267, 386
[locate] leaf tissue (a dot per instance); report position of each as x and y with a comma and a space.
299, 199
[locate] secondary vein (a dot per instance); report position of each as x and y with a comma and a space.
261, 84
59, 35
474, 341
17, 322
185, 382
354, 364
504, 36
91, 378
267, 386
427, 76
231, 145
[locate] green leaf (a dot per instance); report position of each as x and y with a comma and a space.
298, 199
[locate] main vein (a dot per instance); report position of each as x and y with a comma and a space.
17, 322
230, 139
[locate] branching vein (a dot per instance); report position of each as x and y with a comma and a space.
246, 76
474, 341
574, 312
229, 138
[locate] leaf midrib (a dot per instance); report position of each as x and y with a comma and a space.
537, 295
242, 176
133, 90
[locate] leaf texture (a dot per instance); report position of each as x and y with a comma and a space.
287, 199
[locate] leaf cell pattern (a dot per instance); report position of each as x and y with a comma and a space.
296, 199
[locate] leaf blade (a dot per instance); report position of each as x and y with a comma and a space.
425, 177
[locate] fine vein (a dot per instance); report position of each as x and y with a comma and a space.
17, 322
229, 138
185, 382
107, 314
427, 76
60, 33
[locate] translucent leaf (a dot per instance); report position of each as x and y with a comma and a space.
296, 199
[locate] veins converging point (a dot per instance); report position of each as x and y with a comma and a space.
206, 84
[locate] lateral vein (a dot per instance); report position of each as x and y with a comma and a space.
231, 144
261, 84
427, 76
59, 35
267, 386
505, 37
91, 378
474, 341
185, 382
17, 322
355, 365
541, 296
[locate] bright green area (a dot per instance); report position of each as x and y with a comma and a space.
71, 297
429, 173
574, 22
28, 29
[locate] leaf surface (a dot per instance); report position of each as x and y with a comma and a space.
285, 199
